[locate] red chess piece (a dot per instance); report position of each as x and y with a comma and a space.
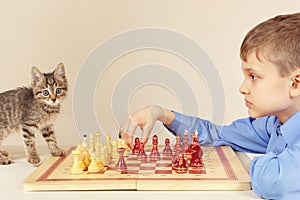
154, 155
121, 165
197, 153
136, 147
185, 141
141, 155
180, 165
167, 151
178, 146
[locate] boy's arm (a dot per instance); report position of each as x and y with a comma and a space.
277, 176
248, 135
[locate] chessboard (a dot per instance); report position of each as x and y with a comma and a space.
222, 170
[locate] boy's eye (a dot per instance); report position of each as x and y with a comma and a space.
58, 91
45, 93
253, 77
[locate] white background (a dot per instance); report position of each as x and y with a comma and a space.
44, 33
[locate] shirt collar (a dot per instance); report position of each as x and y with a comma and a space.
291, 129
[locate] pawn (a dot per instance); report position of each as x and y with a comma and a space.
185, 141
81, 157
103, 156
95, 166
76, 168
178, 146
114, 150
141, 155
154, 155
136, 147
167, 151
175, 158
121, 165
180, 165
108, 145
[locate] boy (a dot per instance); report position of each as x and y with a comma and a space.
270, 56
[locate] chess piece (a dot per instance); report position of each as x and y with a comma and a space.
92, 145
76, 169
185, 141
121, 165
97, 150
180, 165
122, 144
108, 149
141, 155
167, 151
175, 157
127, 148
85, 141
178, 146
108, 145
95, 166
98, 138
114, 150
103, 156
81, 157
197, 153
136, 147
154, 155
84, 156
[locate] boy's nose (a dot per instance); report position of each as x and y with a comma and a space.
243, 89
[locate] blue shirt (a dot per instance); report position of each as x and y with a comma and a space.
276, 174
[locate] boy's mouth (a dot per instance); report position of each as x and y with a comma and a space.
247, 103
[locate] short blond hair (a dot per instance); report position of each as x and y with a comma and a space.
277, 40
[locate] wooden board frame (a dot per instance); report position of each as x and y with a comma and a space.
223, 171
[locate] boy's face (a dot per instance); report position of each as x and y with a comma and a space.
266, 91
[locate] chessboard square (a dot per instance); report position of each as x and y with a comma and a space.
130, 172
197, 171
159, 171
147, 168
133, 168
148, 164
163, 164
133, 164
131, 158
153, 161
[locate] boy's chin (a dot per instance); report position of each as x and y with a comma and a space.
255, 114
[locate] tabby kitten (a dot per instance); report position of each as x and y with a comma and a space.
33, 109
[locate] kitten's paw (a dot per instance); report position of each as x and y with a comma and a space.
4, 160
34, 160
4, 153
58, 152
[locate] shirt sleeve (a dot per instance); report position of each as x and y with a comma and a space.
247, 135
277, 176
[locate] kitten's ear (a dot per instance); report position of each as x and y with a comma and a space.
59, 72
37, 76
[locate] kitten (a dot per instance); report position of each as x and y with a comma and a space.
33, 109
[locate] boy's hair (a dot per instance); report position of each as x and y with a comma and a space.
276, 40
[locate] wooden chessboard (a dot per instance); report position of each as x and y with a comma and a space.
222, 171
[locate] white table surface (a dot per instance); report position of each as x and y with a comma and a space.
12, 176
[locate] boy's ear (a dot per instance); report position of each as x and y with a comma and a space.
295, 83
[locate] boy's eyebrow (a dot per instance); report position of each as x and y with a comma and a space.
249, 69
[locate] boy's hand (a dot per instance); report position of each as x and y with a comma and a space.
145, 119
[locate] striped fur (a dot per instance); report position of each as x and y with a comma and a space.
33, 110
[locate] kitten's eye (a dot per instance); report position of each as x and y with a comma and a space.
45, 93
58, 90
